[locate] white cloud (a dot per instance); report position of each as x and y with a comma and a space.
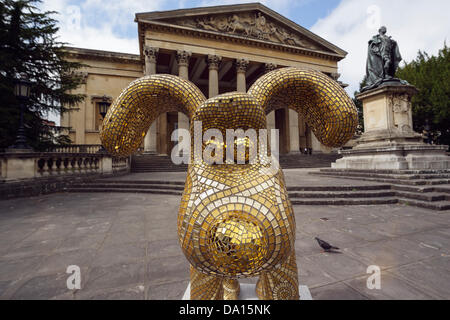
96, 24
415, 25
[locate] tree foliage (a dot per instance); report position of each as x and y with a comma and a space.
359, 105
431, 75
29, 47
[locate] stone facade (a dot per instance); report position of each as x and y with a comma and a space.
220, 49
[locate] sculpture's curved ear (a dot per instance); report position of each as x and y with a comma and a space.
323, 103
131, 115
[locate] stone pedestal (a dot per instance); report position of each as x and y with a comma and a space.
389, 141
248, 292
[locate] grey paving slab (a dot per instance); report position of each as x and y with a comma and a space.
337, 291
127, 248
391, 288
427, 276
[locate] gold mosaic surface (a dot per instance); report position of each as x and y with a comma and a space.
235, 220
320, 100
132, 113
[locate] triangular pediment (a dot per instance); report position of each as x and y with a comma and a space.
251, 21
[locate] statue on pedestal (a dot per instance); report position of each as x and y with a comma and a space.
382, 61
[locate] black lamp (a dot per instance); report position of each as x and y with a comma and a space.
103, 107
22, 92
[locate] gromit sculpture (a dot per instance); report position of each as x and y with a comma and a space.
235, 220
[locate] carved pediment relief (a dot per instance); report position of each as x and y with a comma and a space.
254, 25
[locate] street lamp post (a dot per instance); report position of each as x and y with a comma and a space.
103, 107
22, 93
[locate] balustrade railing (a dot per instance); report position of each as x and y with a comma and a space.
22, 166
76, 148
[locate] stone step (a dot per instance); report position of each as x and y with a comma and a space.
442, 189
340, 194
399, 176
386, 180
339, 188
415, 189
342, 201
124, 190
418, 171
429, 196
178, 183
438, 205
128, 186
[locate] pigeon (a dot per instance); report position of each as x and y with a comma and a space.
325, 245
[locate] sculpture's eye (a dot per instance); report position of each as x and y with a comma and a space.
217, 152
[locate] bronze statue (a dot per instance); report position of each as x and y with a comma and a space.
382, 61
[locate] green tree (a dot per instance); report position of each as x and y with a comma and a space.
359, 105
29, 48
431, 75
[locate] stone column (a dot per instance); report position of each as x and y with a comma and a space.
270, 118
213, 66
151, 55
241, 68
183, 72
270, 67
294, 143
183, 63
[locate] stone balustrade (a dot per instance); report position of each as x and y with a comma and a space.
76, 148
34, 173
20, 166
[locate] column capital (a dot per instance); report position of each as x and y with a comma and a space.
151, 53
241, 65
83, 75
213, 61
270, 67
183, 57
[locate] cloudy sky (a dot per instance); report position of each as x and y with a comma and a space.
349, 24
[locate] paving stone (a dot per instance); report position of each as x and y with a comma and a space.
19, 268
133, 292
59, 261
382, 254
166, 270
402, 226
167, 291
427, 276
3, 286
41, 236
115, 276
339, 265
42, 287
26, 248
362, 232
391, 288
337, 291
93, 241
164, 248
120, 253
310, 274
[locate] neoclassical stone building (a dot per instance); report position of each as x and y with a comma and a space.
220, 49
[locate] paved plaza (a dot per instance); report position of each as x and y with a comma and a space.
126, 247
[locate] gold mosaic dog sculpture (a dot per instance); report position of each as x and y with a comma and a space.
235, 220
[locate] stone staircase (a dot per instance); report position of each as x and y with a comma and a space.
161, 163
421, 188
155, 163
132, 186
